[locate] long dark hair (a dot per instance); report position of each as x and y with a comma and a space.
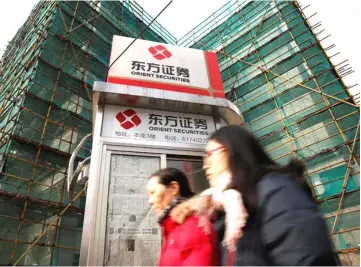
249, 163
168, 175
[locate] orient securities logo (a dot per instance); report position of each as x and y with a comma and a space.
128, 119
159, 52
165, 67
148, 125
166, 72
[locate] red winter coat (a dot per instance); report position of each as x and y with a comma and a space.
187, 244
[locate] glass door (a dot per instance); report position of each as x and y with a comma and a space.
193, 168
133, 236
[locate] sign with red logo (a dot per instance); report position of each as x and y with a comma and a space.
156, 126
167, 67
128, 119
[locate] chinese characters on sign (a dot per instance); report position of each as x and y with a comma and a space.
165, 67
143, 135
179, 125
158, 126
161, 71
173, 121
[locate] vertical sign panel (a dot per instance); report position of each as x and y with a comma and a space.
133, 237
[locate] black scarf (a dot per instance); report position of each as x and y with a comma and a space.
174, 203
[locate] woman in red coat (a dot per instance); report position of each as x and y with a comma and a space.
184, 244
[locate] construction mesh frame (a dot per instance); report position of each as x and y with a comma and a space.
293, 99
45, 103
295, 103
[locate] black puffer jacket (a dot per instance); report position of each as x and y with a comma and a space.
285, 228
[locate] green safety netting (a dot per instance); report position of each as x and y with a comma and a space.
278, 106
51, 65
64, 47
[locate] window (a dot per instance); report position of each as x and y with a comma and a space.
193, 168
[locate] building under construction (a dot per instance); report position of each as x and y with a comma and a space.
293, 99
274, 69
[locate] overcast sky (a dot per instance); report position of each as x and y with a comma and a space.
340, 18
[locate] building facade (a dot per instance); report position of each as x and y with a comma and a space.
45, 100
273, 67
292, 98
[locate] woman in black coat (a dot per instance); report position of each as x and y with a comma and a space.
283, 226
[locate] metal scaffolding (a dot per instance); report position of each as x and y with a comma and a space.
274, 68
293, 99
46, 80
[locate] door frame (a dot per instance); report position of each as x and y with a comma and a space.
98, 193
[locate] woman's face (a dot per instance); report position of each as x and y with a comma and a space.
161, 196
215, 161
